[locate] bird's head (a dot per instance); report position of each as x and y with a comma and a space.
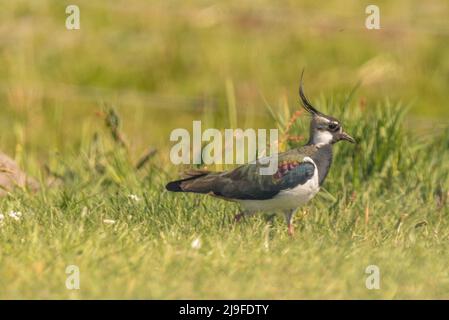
324, 129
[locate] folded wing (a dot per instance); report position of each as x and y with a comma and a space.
246, 182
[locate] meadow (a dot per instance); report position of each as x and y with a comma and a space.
80, 110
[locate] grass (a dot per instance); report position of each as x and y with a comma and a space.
389, 210
384, 202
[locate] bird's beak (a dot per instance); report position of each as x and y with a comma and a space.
347, 137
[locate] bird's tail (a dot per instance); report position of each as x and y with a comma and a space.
187, 184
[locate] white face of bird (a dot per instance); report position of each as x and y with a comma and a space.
327, 130
323, 129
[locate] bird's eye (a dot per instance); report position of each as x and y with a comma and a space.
334, 126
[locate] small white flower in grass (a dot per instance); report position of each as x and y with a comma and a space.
108, 221
196, 244
133, 197
2, 217
15, 215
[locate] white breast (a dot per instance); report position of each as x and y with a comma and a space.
288, 199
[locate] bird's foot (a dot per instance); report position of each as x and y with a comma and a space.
238, 217
291, 230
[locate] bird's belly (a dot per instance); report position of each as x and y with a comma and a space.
288, 199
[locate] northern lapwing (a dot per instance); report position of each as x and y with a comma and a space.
298, 178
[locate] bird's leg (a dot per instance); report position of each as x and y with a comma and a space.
289, 219
238, 217
291, 230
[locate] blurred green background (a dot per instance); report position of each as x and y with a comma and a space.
164, 63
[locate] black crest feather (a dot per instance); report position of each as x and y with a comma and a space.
305, 102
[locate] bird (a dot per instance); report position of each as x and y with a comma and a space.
300, 173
